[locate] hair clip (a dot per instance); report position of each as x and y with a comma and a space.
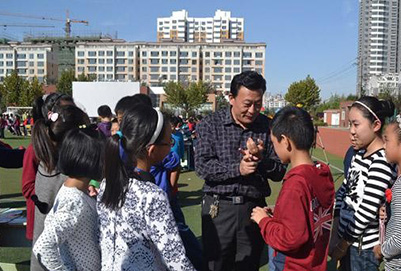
120, 134
53, 116
83, 126
398, 119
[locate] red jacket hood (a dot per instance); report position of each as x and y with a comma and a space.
322, 184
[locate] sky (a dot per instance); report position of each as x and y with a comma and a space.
303, 37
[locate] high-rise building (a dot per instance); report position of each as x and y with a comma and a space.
379, 46
180, 27
157, 62
29, 60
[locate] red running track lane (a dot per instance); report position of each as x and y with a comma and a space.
335, 140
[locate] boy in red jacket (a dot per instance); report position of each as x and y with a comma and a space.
299, 230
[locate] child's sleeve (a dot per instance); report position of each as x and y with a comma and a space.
379, 177
287, 230
392, 245
163, 231
57, 230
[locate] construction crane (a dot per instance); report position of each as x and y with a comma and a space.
67, 21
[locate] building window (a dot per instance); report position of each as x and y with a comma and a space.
101, 68
120, 69
144, 69
11, 56
81, 53
154, 53
218, 54
258, 55
120, 61
9, 63
173, 69
92, 61
109, 53
194, 54
144, 54
164, 53
164, 69
91, 69
227, 69
144, 61
247, 54
228, 61
173, 61
154, 69
101, 61
130, 53
109, 61
173, 53
258, 62
183, 54
101, 53
120, 53
236, 70
31, 56
21, 56
41, 56
22, 63
237, 54
154, 61
236, 62
41, 64
91, 53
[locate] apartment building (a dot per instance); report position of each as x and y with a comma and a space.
156, 62
29, 60
180, 27
379, 44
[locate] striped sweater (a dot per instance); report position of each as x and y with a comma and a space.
391, 248
360, 196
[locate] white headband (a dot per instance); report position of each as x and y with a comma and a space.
367, 108
159, 126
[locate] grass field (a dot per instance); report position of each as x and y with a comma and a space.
190, 187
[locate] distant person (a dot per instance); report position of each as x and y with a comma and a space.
299, 229
355, 233
128, 102
114, 126
105, 115
69, 240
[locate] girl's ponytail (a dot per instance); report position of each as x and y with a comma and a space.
43, 146
115, 172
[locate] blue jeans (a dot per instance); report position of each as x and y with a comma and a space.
271, 264
363, 261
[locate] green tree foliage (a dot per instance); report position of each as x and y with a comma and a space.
221, 101
19, 92
64, 84
304, 92
188, 98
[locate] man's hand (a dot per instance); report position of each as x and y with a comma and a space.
255, 150
248, 165
259, 213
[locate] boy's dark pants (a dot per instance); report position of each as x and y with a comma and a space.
231, 241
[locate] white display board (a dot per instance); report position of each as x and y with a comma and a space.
91, 95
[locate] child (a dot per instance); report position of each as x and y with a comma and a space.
46, 140
105, 116
69, 240
299, 231
115, 126
390, 249
356, 225
137, 227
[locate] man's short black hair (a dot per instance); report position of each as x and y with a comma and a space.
249, 79
128, 102
104, 111
296, 124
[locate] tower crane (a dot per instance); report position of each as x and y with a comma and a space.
5, 25
67, 21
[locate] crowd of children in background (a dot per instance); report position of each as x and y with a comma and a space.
103, 196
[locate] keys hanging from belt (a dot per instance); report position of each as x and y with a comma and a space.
214, 207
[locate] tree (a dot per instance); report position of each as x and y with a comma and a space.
30, 92
64, 84
188, 98
11, 89
304, 92
221, 101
